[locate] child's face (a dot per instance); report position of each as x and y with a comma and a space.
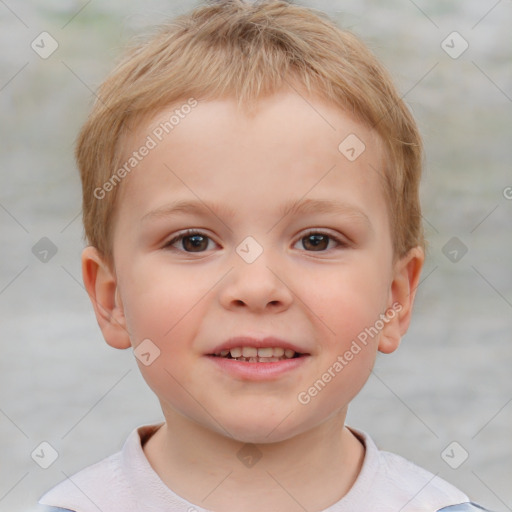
306, 288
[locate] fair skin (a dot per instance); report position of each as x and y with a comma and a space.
314, 292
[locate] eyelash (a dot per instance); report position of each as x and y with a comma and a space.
341, 244
181, 236
191, 232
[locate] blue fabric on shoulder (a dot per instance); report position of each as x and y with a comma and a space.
464, 507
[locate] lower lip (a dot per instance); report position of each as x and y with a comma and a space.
257, 371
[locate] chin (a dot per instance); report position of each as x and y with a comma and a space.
262, 430
253, 436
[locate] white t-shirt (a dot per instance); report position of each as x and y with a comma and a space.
126, 482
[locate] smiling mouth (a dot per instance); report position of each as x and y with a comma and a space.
258, 355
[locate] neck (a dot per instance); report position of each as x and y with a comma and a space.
311, 470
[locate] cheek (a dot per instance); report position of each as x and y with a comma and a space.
344, 301
165, 308
158, 302
155, 312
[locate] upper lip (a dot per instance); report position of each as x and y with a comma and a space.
248, 341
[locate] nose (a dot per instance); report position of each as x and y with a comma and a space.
256, 287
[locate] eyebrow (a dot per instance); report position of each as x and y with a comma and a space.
305, 206
188, 206
296, 207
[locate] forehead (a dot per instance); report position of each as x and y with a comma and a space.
288, 146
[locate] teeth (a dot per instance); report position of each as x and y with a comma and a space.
289, 353
260, 359
236, 352
254, 355
249, 352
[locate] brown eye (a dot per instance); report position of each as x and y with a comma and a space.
189, 242
315, 242
195, 243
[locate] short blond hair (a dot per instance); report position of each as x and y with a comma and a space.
245, 51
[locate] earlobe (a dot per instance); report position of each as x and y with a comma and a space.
402, 292
101, 285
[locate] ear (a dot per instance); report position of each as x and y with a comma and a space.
100, 283
406, 277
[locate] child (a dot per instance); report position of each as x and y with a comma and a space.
250, 195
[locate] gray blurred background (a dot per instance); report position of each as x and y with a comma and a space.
451, 379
